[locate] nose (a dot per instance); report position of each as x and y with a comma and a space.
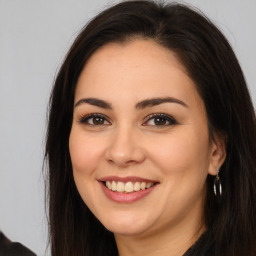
124, 148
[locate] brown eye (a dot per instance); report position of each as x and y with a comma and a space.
98, 120
94, 119
159, 120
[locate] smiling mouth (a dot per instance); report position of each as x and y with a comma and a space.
128, 187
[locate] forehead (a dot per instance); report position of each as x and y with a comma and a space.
140, 66
135, 52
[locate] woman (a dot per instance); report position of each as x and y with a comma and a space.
151, 139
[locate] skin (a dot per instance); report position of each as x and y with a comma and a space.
127, 142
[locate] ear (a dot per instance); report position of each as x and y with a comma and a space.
217, 153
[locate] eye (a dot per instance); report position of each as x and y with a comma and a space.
159, 120
94, 119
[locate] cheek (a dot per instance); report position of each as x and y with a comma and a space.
182, 153
183, 160
85, 152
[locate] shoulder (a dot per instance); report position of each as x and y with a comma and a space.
8, 248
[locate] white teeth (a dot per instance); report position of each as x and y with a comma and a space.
143, 185
113, 186
137, 186
109, 184
129, 186
150, 184
120, 186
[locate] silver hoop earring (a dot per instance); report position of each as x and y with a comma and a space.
217, 188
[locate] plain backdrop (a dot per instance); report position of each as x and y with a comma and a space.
34, 37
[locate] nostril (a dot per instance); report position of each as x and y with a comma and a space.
124, 152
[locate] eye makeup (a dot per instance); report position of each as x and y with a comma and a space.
159, 119
94, 119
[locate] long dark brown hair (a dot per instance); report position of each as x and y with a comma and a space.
212, 65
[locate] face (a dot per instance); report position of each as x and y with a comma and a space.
139, 142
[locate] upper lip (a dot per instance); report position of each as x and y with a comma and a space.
126, 179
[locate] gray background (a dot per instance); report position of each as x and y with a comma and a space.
34, 37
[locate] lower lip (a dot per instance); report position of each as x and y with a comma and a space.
120, 197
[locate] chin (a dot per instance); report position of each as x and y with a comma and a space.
127, 225
126, 231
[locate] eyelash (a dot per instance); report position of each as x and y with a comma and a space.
163, 118
85, 119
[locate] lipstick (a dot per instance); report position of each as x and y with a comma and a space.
126, 189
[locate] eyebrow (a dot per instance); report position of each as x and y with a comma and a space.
140, 105
157, 101
94, 102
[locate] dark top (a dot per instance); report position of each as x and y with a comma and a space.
8, 248
203, 247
